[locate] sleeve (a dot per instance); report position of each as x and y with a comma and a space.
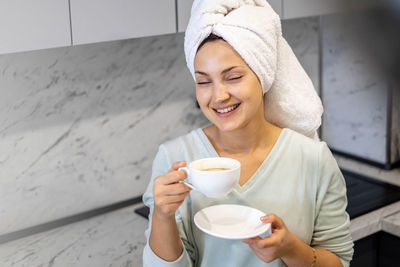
161, 165
331, 225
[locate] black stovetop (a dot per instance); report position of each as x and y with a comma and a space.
365, 194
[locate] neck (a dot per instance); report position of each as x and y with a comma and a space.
245, 140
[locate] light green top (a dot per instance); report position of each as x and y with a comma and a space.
299, 181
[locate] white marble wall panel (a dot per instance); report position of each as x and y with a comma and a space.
303, 37
79, 126
354, 91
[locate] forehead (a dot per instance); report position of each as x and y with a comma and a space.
217, 54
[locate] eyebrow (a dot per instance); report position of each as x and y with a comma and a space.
222, 72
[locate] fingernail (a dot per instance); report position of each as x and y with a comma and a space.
265, 218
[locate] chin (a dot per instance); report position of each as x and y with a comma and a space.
227, 127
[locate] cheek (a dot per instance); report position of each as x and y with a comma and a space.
203, 96
245, 93
255, 93
252, 95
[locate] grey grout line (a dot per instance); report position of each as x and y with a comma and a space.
176, 17
68, 220
70, 21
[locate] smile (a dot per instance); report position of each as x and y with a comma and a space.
226, 110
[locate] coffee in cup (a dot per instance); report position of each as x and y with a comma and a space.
213, 177
215, 169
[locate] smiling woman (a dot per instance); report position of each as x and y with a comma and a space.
263, 112
228, 91
230, 96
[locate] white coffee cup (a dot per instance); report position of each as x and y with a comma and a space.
213, 177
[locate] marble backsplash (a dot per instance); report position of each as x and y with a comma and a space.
303, 36
80, 126
361, 101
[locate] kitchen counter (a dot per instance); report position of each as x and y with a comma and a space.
116, 238
391, 224
387, 176
386, 219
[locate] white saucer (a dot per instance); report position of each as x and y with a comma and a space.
231, 221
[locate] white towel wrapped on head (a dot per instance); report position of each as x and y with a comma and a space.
253, 29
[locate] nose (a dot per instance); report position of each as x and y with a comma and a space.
221, 92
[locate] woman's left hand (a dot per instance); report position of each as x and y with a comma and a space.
279, 244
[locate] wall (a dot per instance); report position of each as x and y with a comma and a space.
80, 125
360, 97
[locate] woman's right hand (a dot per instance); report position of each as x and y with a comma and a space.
168, 192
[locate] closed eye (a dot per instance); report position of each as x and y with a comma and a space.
202, 83
235, 78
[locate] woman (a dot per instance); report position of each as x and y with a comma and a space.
291, 177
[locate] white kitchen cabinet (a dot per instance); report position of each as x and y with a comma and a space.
307, 8
31, 25
184, 8
287, 9
106, 20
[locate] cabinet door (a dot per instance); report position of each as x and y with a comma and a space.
307, 8
185, 6
366, 252
106, 20
30, 25
389, 247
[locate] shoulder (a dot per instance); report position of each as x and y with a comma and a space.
306, 151
182, 142
174, 150
300, 143
316, 153
188, 147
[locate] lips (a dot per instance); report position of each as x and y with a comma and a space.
226, 111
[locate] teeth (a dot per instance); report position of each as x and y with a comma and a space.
225, 110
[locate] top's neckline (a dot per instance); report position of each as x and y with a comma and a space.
272, 154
